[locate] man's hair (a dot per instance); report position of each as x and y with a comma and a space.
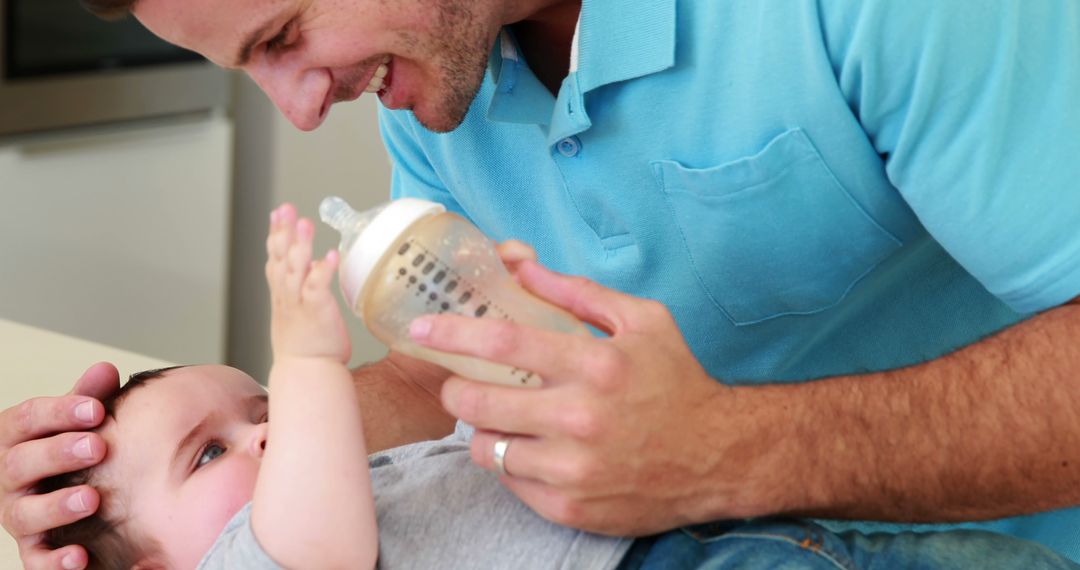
109, 9
108, 541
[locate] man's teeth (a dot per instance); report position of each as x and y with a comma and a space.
376, 82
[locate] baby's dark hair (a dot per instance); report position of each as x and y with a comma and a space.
110, 544
109, 9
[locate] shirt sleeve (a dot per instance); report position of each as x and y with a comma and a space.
236, 548
412, 174
975, 107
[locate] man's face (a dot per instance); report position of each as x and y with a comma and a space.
308, 54
184, 455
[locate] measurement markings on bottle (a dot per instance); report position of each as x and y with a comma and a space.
437, 282
424, 269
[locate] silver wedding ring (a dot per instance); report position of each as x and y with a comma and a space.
499, 455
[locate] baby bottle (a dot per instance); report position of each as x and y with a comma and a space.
411, 257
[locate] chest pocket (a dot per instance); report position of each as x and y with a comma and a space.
775, 233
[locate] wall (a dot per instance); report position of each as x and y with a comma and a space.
118, 234
150, 236
276, 163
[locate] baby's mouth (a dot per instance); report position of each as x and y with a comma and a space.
380, 80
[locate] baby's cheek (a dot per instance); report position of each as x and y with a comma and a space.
221, 497
234, 489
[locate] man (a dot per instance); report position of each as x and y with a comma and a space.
878, 194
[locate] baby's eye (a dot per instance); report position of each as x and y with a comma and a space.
209, 453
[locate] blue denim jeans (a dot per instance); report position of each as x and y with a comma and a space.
790, 544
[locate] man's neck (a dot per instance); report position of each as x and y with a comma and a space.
544, 36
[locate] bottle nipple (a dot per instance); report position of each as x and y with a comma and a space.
338, 214
367, 236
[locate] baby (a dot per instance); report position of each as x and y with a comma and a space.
187, 447
198, 475
204, 471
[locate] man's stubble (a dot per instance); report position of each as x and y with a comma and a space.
459, 47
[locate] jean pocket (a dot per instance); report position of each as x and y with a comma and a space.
774, 233
707, 532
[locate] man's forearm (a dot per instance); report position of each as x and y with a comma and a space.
399, 402
991, 430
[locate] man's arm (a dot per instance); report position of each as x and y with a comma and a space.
988, 431
399, 402
629, 435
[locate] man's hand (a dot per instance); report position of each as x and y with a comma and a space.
630, 436
613, 441
39, 438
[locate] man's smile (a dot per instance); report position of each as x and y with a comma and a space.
379, 79
345, 88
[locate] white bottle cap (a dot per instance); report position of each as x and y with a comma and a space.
375, 239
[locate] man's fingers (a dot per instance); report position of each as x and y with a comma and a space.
589, 301
32, 461
502, 341
38, 556
38, 417
545, 500
32, 515
528, 458
515, 459
513, 252
99, 381
508, 408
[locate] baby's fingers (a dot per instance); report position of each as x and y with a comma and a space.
298, 259
321, 274
282, 225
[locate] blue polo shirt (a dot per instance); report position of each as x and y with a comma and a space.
813, 188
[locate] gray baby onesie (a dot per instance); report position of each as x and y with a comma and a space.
437, 509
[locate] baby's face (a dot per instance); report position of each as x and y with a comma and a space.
184, 453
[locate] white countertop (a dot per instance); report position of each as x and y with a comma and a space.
38, 362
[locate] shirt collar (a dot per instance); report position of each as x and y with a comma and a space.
518, 97
617, 42
612, 43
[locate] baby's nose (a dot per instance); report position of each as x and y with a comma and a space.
258, 442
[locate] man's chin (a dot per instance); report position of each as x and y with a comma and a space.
439, 126
446, 113
440, 120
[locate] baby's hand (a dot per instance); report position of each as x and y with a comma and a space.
305, 320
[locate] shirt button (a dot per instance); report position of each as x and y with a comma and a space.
569, 147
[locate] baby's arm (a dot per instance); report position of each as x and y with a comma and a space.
313, 506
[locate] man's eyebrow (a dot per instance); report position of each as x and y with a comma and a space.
251, 40
188, 440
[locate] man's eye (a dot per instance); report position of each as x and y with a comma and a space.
282, 40
209, 453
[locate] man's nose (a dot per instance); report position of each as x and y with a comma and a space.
258, 440
298, 92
